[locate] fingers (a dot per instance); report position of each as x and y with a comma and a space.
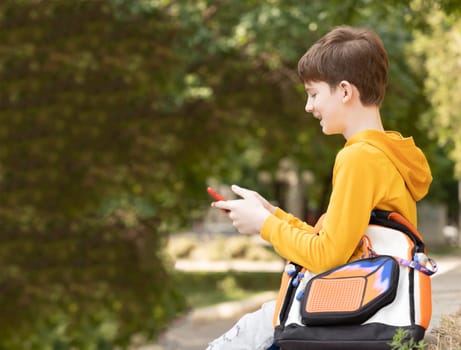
242, 192
247, 215
223, 205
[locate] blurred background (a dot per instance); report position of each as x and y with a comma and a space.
115, 115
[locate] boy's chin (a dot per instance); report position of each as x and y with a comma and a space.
328, 132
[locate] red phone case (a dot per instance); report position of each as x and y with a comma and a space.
217, 196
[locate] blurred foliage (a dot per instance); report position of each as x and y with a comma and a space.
440, 55
82, 158
113, 115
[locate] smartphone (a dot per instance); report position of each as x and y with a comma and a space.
215, 195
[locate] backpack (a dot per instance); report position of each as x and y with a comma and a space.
361, 304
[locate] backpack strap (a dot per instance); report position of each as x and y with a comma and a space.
415, 264
396, 221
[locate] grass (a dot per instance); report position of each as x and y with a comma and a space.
448, 335
208, 288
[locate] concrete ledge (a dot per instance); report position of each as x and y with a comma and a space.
228, 265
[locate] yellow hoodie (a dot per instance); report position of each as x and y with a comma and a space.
374, 170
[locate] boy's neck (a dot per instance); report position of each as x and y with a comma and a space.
363, 118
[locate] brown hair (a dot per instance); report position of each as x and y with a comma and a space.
353, 54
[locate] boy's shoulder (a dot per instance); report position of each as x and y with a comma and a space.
361, 155
360, 150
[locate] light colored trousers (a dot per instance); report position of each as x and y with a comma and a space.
254, 331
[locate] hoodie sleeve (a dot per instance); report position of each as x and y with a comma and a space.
293, 220
356, 191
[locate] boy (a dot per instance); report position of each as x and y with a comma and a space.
345, 77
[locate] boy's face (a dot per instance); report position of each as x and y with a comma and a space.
325, 105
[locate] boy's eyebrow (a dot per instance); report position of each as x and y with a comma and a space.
308, 86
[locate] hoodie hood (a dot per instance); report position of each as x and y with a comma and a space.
404, 154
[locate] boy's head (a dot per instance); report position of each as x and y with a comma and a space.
352, 54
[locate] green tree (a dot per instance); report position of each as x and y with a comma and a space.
245, 55
86, 174
440, 50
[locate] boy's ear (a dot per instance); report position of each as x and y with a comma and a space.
346, 89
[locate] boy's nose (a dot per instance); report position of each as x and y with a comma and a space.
308, 107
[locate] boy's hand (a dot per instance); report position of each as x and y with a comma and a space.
247, 214
243, 192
